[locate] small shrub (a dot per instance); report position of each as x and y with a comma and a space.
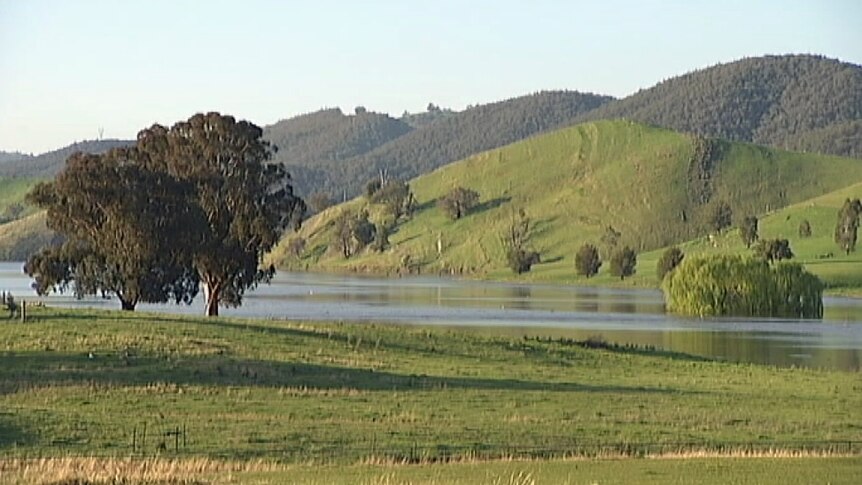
623, 262
804, 228
669, 260
458, 202
587, 260
721, 216
774, 249
748, 230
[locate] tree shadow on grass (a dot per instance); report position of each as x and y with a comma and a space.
27, 370
490, 204
11, 434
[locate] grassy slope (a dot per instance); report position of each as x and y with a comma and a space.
818, 253
13, 190
20, 238
573, 183
299, 391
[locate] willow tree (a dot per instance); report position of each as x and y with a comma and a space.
244, 203
126, 231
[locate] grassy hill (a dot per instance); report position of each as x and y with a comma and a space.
450, 137
12, 193
819, 253
48, 164
23, 237
655, 186
770, 100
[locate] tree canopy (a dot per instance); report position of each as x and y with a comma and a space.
196, 203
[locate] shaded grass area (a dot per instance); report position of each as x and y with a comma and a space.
97, 383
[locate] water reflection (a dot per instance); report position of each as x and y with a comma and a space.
633, 317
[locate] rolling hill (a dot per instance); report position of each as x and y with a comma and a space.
771, 100
48, 164
447, 139
654, 186
818, 252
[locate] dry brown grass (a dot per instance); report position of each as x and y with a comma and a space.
125, 471
471, 458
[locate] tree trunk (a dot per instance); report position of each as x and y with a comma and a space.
212, 293
127, 306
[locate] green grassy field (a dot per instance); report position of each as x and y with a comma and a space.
87, 383
573, 183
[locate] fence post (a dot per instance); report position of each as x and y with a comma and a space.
23, 310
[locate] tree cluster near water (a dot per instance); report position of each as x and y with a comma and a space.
587, 260
193, 205
772, 250
736, 286
520, 257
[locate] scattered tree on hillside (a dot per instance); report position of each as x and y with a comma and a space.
519, 256
244, 203
721, 216
748, 230
319, 201
804, 228
362, 230
587, 260
352, 232
458, 202
669, 260
610, 239
128, 231
774, 249
623, 262
397, 197
372, 186
381, 238
848, 225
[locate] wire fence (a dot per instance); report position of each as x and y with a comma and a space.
179, 442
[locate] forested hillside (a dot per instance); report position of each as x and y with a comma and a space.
609, 183
451, 138
330, 135
792, 101
48, 164
12, 156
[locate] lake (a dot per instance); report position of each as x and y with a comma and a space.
622, 316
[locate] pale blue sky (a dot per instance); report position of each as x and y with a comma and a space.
68, 68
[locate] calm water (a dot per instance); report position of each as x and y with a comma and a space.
620, 316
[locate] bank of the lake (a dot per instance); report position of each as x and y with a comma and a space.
628, 317
90, 382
